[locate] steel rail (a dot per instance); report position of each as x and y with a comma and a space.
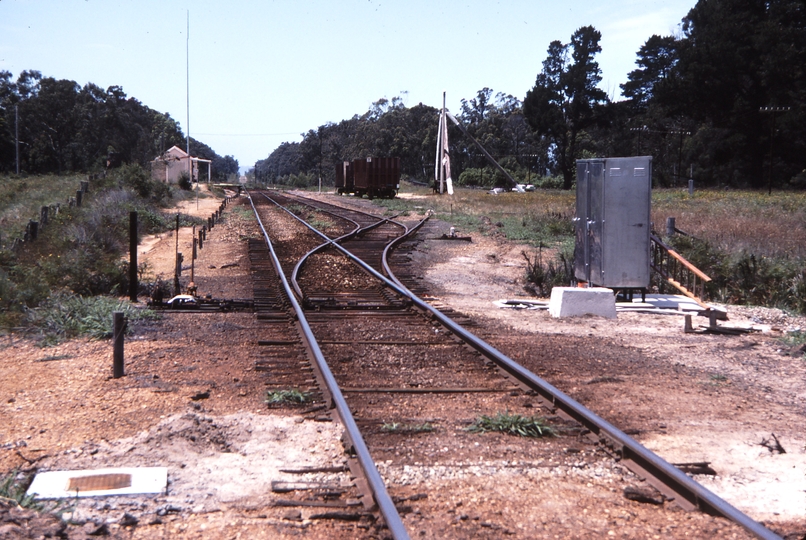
635, 456
355, 232
376, 484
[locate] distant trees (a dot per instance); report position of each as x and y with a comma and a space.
698, 97
388, 128
64, 127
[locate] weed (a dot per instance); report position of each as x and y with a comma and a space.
540, 278
244, 212
796, 341
291, 396
319, 222
55, 357
65, 316
401, 427
717, 379
513, 424
13, 487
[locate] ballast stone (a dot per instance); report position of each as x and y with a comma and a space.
574, 302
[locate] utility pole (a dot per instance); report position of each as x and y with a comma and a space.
17, 134
187, 91
320, 159
773, 111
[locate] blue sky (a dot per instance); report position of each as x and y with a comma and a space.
262, 72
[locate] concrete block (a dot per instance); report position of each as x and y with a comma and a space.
573, 302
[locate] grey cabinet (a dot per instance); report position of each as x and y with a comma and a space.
612, 222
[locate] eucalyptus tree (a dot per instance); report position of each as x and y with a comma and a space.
566, 99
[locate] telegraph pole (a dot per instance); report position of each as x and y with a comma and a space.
17, 134
773, 111
187, 91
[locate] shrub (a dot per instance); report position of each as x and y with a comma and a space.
64, 316
541, 278
184, 181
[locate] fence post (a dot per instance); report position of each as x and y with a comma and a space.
133, 284
691, 186
43, 215
33, 230
177, 273
119, 325
79, 195
670, 226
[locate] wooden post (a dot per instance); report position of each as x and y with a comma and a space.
33, 230
119, 325
43, 215
133, 284
177, 273
670, 226
79, 195
201, 238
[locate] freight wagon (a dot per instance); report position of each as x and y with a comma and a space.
373, 177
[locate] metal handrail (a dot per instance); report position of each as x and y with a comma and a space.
680, 273
699, 273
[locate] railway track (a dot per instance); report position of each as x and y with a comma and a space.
410, 385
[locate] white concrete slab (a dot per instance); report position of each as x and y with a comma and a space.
57, 484
575, 302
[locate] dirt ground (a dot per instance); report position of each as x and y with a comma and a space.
192, 400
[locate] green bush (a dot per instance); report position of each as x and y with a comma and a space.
184, 181
65, 316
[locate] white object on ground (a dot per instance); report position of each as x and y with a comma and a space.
574, 302
57, 484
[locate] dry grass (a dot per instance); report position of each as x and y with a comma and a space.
738, 221
22, 197
752, 244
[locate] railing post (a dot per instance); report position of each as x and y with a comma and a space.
670, 226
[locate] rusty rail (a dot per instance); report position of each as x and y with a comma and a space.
384, 502
677, 271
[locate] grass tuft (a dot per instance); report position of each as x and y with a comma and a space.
290, 396
13, 487
513, 424
797, 342
401, 427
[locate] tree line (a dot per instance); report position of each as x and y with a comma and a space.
723, 102
60, 127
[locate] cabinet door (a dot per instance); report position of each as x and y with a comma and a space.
625, 222
587, 247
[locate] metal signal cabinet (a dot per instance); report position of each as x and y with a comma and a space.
612, 224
